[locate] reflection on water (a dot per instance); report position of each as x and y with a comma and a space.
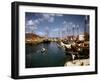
52, 57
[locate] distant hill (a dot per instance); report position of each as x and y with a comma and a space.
31, 36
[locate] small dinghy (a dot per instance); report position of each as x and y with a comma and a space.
43, 50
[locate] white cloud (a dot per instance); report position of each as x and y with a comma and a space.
52, 14
32, 22
31, 25
64, 22
66, 25
55, 30
40, 19
47, 28
48, 17
64, 29
40, 33
36, 21
59, 15
51, 19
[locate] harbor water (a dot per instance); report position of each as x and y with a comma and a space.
52, 56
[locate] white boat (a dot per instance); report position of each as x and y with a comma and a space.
43, 50
65, 45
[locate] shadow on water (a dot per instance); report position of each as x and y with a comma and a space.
52, 57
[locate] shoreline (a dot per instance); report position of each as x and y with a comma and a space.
81, 62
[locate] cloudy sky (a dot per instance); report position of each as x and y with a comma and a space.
55, 25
